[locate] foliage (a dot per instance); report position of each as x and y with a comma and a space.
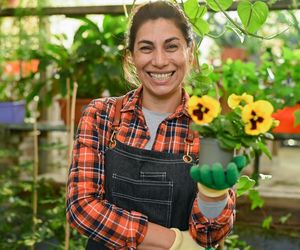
93, 61
243, 185
276, 79
252, 16
16, 212
233, 242
246, 126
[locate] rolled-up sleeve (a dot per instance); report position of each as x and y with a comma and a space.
87, 210
208, 232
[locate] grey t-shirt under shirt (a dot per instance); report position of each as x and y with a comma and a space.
153, 120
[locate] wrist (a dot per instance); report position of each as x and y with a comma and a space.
208, 194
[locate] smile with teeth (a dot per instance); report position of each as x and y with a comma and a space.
161, 76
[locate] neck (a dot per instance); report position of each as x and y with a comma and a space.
162, 104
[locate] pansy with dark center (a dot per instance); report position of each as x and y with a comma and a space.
203, 109
258, 117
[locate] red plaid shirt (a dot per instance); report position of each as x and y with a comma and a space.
89, 212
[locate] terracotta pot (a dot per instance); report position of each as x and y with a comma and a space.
287, 119
211, 152
79, 108
12, 3
234, 54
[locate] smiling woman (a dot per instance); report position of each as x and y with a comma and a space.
129, 183
161, 57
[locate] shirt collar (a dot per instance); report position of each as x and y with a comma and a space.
134, 102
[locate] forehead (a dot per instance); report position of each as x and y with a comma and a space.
158, 30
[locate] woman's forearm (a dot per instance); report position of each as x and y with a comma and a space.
157, 238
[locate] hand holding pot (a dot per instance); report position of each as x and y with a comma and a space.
217, 177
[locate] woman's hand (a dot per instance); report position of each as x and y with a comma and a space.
214, 181
184, 241
157, 238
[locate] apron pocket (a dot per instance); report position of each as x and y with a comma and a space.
153, 176
149, 197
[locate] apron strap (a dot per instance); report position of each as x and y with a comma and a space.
189, 140
117, 117
116, 121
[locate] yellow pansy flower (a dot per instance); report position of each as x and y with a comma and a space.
203, 109
258, 117
234, 100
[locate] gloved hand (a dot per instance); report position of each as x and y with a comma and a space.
184, 241
216, 178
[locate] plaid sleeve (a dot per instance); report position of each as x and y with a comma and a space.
87, 211
209, 232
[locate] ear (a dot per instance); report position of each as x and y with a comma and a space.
128, 57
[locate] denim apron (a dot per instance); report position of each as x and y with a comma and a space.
156, 184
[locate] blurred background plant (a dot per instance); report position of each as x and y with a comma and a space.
93, 61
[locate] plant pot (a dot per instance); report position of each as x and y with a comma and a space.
12, 112
234, 54
287, 119
80, 105
211, 152
11, 3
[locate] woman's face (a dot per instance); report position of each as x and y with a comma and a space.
161, 57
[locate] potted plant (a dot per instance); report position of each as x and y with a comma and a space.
93, 61
283, 88
246, 127
231, 47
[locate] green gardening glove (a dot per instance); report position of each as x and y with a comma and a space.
217, 177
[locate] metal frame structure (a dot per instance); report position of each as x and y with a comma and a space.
113, 9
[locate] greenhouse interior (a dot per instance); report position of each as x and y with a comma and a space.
60, 60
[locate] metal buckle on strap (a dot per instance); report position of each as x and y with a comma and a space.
112, 140
187, 157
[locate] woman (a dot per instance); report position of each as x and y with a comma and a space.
129, 183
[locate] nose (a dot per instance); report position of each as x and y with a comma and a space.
160, 59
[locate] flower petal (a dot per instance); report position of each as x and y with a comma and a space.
257, 117
203, 109
235, 101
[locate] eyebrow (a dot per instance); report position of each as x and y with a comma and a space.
166, 41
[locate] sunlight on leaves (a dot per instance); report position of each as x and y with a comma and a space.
225, 4
244, 184
253, 16
265, 176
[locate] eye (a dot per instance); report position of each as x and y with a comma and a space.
171, 47
145, 49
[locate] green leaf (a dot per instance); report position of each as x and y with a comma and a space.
264, 149
297, 117
256, 200
283, 219
193, 10
244, 184
206, 69
253, 16
267, 222
201, 27
225, 4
